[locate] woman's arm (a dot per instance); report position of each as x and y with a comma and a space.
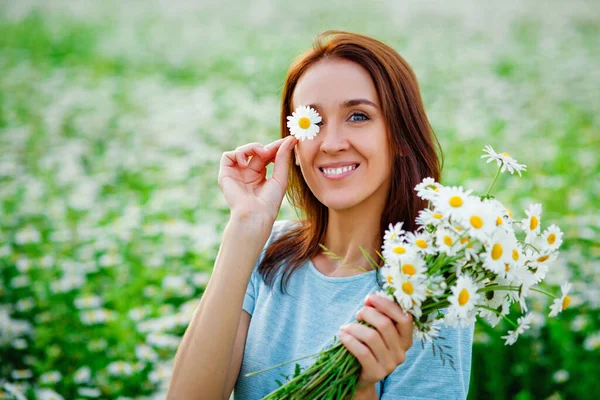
202, 363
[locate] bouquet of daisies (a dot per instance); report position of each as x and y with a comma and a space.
468, 256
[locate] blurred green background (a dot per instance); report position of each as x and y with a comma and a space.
113, 118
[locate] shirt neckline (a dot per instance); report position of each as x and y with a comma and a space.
339, 279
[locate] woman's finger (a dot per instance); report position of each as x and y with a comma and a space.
373, 340
362, 353
282, 161
403, 321
252, 150
384, 325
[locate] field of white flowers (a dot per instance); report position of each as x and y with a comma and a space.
114, 115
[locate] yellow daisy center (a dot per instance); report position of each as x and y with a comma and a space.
448, 240
498, 220
455, 201
463, 297
458, 228
476, 222
304, 123
409, 269
436, 189
543, 258
437, 216
421, 243
515, 254
551, 238
566, 302
533, 223
506, 154
506, 267
496, 251
464, 240
408, 288
509, 212
390, 279
399, 250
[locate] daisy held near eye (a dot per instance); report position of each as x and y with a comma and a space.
467, 256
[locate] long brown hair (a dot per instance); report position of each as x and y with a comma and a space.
413, 146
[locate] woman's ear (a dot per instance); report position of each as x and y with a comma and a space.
296, 157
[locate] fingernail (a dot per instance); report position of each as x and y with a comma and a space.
344, 326
367, 297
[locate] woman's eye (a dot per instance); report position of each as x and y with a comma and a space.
361, 115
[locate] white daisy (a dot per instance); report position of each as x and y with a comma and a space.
393, 250
522, 325
480, 218
428, 216
538, 263
451, 200
504, 160
498, 301
429, 330
303, 123
447, 241
427, 189
562, 302
389, 275
531, 224
551, 238
464, 297
422, 242
413, 266
410, 293
394, 232
498, 251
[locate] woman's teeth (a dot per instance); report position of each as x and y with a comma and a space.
338, 171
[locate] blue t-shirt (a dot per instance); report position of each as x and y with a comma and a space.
304, 321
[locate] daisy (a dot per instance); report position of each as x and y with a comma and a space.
303, 123
447, 241
480, 218
428, 216
394, 232
552, 238
421, 241
531, 224
498, 301
428, 330
389, 275
393, 250
410, 293
413, 266
451, 200
504, 160
562, 302
498, 252
522, 325
427, 189
464, 297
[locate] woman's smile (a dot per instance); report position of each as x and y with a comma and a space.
338, 171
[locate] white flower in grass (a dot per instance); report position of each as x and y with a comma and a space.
394, 232
427, 189
531, 224
421, 241
120, 368
504, 160
551, 239
89, 392
82, 375
428, 216
145, 353
303, 123
523, 324
451, 200
47, 394
562, 302
21, 374
88, 301
447, 241
50, 377
464, 298
410, 293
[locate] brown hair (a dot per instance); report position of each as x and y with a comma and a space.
413, 147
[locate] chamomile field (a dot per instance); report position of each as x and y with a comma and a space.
113, 119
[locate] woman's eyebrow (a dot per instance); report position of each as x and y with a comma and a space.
348, 103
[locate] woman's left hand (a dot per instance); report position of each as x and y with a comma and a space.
382, 349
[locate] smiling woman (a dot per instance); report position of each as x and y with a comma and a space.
353, 177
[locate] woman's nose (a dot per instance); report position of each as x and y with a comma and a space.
333, 139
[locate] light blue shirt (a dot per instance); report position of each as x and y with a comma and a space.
304, 321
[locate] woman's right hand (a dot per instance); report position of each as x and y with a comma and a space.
245, 185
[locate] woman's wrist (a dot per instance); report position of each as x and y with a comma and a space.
366, 393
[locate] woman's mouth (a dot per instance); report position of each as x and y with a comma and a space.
338, 173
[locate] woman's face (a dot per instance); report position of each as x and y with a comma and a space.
352, 137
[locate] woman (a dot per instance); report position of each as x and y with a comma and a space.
273, 295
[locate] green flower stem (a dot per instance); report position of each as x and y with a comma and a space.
497, 287
287, 362
544, 292
499, 313
494, 181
